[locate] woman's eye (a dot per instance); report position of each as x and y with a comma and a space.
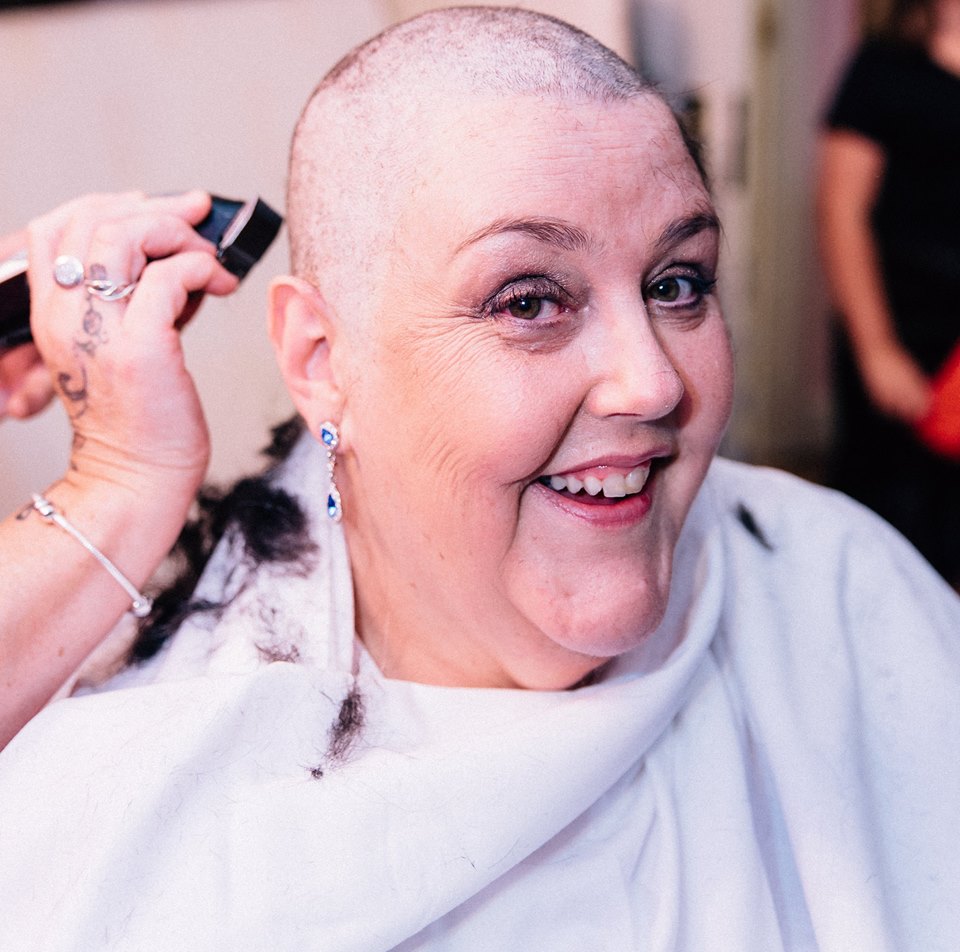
679, 290
670, 290
527, 306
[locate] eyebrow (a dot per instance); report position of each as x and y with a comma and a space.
549, 230
683, 229
570, 238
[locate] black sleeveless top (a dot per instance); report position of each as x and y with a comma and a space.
898, 97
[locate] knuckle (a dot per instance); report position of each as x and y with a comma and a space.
110, 232
99, 203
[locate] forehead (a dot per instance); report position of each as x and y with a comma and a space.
595, 164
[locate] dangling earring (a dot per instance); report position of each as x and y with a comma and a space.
330, 437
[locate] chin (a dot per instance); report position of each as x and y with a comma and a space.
566, 662
602, 634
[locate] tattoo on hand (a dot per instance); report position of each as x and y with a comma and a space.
75, 394
92, 318
74, 386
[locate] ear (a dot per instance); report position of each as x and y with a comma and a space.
303, 331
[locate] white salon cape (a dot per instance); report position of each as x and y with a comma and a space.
777, 769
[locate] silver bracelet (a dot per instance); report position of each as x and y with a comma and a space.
140, 604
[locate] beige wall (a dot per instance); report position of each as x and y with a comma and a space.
164, 96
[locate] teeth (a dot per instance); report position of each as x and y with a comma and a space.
636, 478
614, 486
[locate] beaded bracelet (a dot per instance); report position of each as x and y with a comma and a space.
140, 604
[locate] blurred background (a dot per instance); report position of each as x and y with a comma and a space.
168, 94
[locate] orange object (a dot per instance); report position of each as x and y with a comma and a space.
940, 428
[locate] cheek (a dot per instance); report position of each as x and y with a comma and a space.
704, 361
480, 416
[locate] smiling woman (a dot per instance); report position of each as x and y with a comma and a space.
496, 655
565, 340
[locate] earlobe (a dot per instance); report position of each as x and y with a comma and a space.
302, 330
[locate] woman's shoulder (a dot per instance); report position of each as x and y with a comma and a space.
885, 50
883, 59
880, 79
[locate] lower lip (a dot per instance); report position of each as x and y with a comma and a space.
609, 513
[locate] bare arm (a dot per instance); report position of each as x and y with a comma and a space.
56, 602
140, 444
850, 174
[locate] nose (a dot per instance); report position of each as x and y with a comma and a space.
632, 373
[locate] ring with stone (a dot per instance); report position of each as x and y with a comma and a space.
68, 271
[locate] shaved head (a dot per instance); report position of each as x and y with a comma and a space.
364, 139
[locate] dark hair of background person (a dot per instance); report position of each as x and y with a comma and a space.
909, 21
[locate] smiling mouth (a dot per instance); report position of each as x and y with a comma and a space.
612, 486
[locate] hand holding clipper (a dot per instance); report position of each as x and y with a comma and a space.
241, 231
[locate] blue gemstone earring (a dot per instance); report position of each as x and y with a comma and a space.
330, 437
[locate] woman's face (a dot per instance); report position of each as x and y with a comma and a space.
536, 399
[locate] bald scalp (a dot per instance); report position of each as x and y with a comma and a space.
370, 123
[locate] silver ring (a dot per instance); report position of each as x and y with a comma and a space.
109, 290
68, 271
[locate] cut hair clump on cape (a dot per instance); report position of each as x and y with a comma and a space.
269, 521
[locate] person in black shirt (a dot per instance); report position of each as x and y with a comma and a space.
889, 211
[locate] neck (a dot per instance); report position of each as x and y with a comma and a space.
945, 40
459, 644
461, 660
944, 49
